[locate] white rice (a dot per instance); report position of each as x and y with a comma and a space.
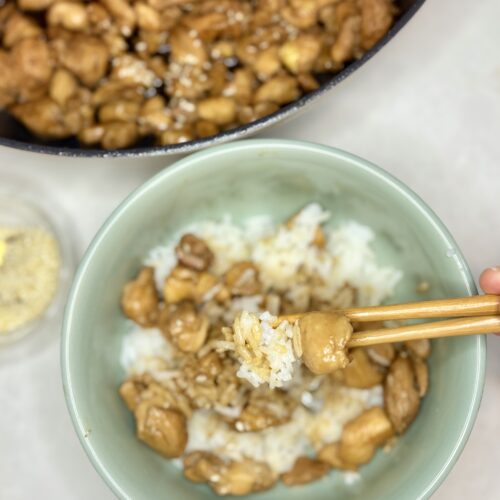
266, 354
230, 243
280, 446
286, 258
145, 350
351, 477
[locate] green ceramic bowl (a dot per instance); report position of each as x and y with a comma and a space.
276, 177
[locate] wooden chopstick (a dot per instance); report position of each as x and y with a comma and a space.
477, 305
445, 328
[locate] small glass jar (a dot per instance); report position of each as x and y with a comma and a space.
25, 205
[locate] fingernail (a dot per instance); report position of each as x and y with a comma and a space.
496, 269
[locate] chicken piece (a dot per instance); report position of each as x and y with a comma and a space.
115, 42
217, 78
184, 326
419, 348
194, 253
241, 87
188, 82
327, 15
219, 110
154, 116
267, 63
186, 284
70, 15
140, 299
33, 61
123, 13
305, 470
110, 90
243, 477
143, 387
205, 128
382, 354
199, 466
209, 24
359, 440
85, 56
148, 19
222, 49
307, 82
324, 338
78, 112
162, 429
346, 45
132, 71
63, 85
362, 435
132, 389
119, 111
376, 18
18, 27
248, 114
91, 135
401, 396
187, 48
243, 279
265, 408
118, 135
299, 55
324, 62
228, 477
148, 43
301, 13
99, 18
344, 10
330, 454
177, 136
361, 372
43, 117
279, 90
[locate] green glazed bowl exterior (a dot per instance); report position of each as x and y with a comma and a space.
274, 177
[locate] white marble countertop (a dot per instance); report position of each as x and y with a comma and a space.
426, 108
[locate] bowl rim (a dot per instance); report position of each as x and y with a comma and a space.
197, 160
239, 132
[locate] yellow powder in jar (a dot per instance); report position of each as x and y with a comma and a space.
29, 274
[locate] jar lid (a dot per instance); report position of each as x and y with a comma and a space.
37, 260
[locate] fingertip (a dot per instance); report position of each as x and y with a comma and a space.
490, 280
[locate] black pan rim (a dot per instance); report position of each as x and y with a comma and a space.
229, 135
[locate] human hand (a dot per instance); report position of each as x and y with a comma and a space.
490, 281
